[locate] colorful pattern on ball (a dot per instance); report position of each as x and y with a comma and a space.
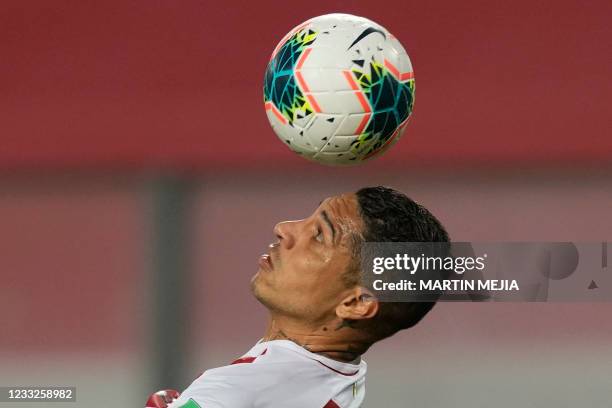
339, 89
280, 86
391, 102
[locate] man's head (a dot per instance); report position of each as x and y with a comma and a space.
312, 273
302, 275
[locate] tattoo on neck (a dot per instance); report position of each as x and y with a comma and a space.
280, 335
348, 354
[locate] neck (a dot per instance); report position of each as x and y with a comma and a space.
334, 339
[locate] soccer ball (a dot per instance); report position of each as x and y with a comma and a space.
339, 89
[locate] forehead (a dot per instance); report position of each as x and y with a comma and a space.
343, 210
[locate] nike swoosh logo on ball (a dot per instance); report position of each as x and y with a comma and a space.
365, 33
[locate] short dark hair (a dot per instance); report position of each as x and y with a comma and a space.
390, 216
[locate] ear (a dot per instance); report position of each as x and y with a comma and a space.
358, 305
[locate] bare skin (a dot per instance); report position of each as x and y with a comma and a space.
301, 283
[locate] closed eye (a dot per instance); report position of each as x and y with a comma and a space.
329, 224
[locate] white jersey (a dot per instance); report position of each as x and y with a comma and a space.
281, 374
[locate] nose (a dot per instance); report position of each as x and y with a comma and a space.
285, 233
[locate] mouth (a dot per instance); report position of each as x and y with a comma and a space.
265, 260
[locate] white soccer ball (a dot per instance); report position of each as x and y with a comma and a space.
339, 89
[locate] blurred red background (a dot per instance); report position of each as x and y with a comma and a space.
178, 84
100, 99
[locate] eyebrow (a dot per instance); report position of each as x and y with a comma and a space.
329, 223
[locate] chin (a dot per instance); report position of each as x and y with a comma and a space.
262, 294
255, 284
256, 288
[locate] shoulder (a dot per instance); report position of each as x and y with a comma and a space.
267, 376
235, 385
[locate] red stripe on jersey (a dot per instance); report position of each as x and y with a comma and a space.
248, 359
244, 360
331, 404
334, 370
